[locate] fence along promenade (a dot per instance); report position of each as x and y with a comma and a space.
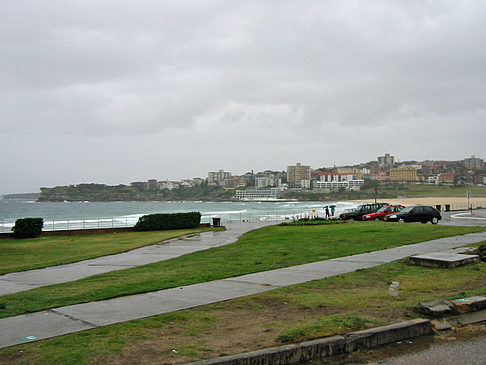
126, 222
226, 218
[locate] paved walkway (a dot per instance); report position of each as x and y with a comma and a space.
25, 280
79, 317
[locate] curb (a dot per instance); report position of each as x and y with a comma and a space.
335, 345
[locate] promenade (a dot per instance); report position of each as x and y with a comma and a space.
80, 317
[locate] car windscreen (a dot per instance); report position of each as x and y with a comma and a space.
382, 209
407, 209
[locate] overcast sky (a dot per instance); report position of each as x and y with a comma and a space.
119, 91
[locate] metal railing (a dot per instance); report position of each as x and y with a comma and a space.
125, 222
226, 218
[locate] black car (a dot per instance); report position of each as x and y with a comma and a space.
417, 213
361, 210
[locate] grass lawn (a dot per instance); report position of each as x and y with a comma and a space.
260, 250
315, 309
36, 253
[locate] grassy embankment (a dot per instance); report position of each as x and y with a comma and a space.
315, 309
35, 253
264, 249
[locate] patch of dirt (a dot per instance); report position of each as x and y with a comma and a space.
240, 327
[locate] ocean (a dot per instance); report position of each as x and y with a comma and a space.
84, 215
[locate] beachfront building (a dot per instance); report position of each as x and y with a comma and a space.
297, 173
258, 194
403, 174
473, 163
336, 185
332, 177
218, 177
386, 161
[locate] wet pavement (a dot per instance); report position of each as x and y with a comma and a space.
475, 217
25, 280
79, 317
69, 319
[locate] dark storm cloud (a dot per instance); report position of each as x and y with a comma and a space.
277, 79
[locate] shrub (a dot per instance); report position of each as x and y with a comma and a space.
156, 222
28, 227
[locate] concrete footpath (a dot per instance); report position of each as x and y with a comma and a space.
25, 280
74, 318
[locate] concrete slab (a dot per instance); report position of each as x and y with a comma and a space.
37, 326
443, 260
471, 304
9, 287
58, 274
280, 277
472, 317
334, 266
128, 308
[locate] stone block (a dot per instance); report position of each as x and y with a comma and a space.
436, 308
380, 336
471, 304
442, 260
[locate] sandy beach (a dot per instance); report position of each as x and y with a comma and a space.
455, 203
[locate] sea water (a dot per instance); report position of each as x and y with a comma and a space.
84, 215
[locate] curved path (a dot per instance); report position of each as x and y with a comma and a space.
25, 280
80, 317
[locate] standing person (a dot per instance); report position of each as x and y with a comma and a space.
332, 210
327, 212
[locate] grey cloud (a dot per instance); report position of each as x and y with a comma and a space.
249, 75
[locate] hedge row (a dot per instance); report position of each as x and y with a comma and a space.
155, 222
28, 227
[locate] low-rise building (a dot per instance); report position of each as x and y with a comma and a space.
446, 178
407, 174
258, 194
336, 185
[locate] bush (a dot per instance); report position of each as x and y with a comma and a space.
156, 222
28, 227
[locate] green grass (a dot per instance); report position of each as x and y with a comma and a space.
260, 250
34, 253
330, 306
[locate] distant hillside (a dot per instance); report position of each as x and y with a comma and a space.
103, 193
32, 196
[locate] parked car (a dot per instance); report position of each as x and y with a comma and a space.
382, 212
361, 210
417, 213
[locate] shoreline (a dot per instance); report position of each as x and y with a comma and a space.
455, 203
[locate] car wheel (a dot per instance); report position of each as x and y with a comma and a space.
401, 220
434, 220
377, 219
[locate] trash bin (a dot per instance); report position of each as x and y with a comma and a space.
437, 207
447, 207
216, 222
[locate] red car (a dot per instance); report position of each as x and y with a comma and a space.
382, 212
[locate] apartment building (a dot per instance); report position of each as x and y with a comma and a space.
218, 177
403, 174
297, 173
386, 161
473, 163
